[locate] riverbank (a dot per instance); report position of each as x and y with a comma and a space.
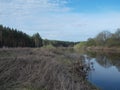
42, 69
104, 49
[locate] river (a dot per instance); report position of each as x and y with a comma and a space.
105, 70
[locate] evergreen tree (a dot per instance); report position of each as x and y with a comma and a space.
37, 40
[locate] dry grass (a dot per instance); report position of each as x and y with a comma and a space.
41, 69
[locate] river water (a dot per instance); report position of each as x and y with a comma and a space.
105, 70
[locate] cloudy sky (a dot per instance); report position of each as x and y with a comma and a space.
72, 20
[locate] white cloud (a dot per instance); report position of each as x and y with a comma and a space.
53, 20
77, 26
27, 7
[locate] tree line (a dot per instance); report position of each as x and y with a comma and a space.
57, 43
105, 38
10, 37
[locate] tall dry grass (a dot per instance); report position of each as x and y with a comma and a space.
41, 69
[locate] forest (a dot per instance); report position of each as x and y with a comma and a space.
103, 39
10, 37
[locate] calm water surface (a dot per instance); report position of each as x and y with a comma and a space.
105, 70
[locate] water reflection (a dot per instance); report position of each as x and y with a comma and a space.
106, 60
105, 72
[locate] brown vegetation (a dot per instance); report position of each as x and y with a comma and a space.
41, 69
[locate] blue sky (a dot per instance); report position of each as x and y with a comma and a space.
69, 20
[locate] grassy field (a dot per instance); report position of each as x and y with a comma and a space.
42, 69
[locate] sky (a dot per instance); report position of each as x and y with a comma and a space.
68, 20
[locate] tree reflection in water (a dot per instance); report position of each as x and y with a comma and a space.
106, 60
107, 69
